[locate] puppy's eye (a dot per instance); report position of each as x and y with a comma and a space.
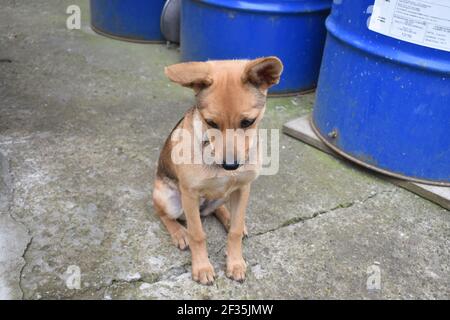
247, 123
212, 124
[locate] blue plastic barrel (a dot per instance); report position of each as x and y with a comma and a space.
137, 20
381, 101
293, 30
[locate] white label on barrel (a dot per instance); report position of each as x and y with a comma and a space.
423, 22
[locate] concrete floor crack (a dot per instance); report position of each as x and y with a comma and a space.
151, 279
316, 214
7, 181
28, 245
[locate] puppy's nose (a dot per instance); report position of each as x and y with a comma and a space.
231, 166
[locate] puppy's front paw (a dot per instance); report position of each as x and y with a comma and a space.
203, 273
236, 269
180, 239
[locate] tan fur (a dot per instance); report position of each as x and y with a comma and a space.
227, 92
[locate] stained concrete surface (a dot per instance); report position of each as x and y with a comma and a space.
82, 120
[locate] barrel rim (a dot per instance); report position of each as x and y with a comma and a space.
384, 51
284, 94
123, 38
372, 167
286, 7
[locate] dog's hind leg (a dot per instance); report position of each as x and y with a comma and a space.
224, 216
168, 208
177, 232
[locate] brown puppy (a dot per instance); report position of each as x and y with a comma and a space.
230, 94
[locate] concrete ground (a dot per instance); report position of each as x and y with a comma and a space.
82, 118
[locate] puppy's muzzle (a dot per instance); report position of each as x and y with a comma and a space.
231, 166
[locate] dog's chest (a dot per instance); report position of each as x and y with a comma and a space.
220, 187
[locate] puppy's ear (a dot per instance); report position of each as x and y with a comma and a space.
263, 72
195, 75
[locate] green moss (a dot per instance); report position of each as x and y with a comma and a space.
283, 109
